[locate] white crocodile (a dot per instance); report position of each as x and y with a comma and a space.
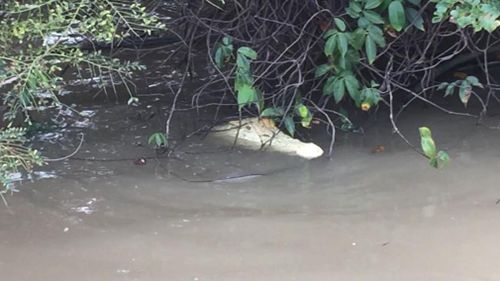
254, 134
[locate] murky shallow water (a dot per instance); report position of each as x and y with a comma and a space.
360, 216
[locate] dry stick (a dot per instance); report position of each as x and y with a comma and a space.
259, 52
226, 80
174, 102
82, 137
237, 131
391, 108
283, 17
276, 62
486, 71
330, 122
53, 160
293, 43
484, 65
3, 199
179, 91
418, 96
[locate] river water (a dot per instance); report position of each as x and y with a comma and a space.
357, 216
213, 214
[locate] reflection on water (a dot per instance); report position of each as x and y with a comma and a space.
210, 213
238, 215
83, 206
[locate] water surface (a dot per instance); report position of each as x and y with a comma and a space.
358, 216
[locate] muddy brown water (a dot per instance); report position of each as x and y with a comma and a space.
359, 216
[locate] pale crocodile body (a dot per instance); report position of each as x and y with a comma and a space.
254, 135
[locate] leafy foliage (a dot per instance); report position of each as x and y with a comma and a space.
436, 159
464, 88
301, 111
479, 14
14, 156
246, 92
224, 52
158, 139
38, 39
244, 82
333, 55
367, 36
344, 48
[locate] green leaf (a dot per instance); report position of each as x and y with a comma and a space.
397, 16
226, 40
425, 132
304, 114
259, 100
442, 159
306, 122
489, 22
338, 90
272, 112
415, 2
243, 63
342, 63
377, 35
433, 162
343, 43
385, 4
289, 125
352, 85
330, 45
322, 70
248, 52
352, 59
372, 4
353, 9
242, 78
329, 33
159, 139
219, 57
442, 86
370, 96
357, 38
371, 49
303, 111
465, 92
449, 89
328, 87
363, 22
373, 17
427, 143
339, 23
474, 81
415, 18
355, 6
246, 95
